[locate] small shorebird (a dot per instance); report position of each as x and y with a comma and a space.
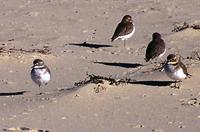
124, 30
40, 73
175, 69
156, 48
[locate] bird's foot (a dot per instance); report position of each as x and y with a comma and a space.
177, 85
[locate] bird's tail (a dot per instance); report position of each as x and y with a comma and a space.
113, 38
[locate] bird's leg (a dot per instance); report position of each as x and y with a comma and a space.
180, 82
189, 75
174, 85
177, 84
124, 43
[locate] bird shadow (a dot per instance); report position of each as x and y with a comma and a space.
153, 83
13, 93
89, 45
125, 65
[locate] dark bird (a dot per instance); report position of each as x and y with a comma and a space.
156, 48
124, 30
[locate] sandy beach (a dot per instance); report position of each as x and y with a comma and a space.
55, 31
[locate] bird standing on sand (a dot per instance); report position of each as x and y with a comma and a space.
156, 48
124, 30
175, 69
40, 73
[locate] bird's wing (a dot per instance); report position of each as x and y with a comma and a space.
48, 70
154, 49
122, 29
184, 69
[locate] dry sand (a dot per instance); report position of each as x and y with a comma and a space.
149, 105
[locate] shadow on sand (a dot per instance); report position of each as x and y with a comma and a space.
125, 65
153, 83
13, 93
88, 45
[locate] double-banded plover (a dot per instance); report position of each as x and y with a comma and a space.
175, 69
40, 73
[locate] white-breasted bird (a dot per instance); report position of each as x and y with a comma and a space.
40, 73
175, 69
124, 30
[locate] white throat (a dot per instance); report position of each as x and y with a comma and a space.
38, 67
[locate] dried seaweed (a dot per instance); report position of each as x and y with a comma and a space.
100, 79
185, 26
24, 129
45, 50
195, 26
180, 28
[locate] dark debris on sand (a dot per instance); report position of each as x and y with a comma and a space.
178, 28
100, 79
24, 129
96, 79
45, 50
